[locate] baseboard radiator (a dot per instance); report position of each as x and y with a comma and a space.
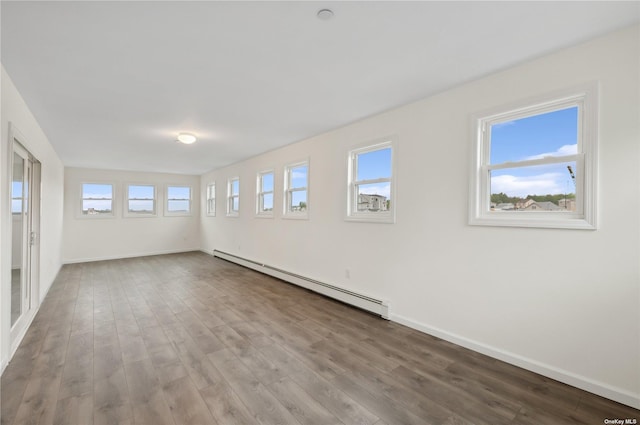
375, 306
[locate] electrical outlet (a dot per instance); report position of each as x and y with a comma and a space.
347, 273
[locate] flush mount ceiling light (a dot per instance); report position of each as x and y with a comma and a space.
186, 138
325, 14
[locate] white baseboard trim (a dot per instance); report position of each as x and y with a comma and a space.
599, 388
120, 257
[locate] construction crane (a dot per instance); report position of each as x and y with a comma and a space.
573, 176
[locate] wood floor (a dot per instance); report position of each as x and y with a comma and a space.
191, 339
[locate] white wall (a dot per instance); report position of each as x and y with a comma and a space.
564, 303
98, 238
15, 110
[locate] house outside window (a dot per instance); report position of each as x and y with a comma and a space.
371, 189
535, 163
97, 200
296, 190
264, 195
233, 197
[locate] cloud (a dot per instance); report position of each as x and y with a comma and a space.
541, 184
299, 174
563, 150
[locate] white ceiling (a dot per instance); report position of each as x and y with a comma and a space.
112, 83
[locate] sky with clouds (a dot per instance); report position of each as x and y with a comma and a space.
552, 134
374, 165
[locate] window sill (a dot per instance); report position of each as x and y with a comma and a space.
541, 222
140, 215
371, 218
94, 216
298, 216
263, 215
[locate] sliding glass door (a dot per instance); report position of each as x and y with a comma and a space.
25, 221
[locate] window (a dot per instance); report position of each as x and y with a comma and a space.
371, 184
233, 197
97, 199
16, 197
211, 199
535, 164
141, 200
264, 188
296, 189
178, 200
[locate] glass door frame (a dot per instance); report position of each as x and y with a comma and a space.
30, 249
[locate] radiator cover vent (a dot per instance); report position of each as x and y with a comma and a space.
373, 305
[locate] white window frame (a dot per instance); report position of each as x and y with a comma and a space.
128, 213
353, 214
210, 199
113, 198
167, 200
288, 191
585, 97
260, 192
231, 196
